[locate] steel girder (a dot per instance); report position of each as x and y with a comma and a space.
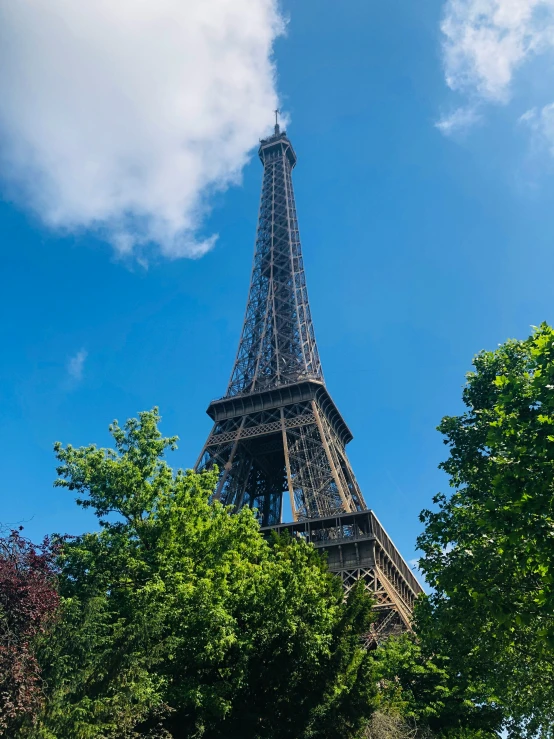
291, 449
358, 548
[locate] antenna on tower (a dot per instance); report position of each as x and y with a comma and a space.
277, 130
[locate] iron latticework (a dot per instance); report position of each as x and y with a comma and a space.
358, 548
277, 431
277, 345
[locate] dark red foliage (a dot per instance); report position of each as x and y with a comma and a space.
28, 603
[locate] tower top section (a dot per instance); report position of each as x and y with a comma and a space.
277, 145
277, 346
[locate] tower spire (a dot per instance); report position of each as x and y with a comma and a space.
277, 129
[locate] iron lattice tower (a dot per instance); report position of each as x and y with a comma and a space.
277, 431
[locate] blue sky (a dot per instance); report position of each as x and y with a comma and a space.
421, 249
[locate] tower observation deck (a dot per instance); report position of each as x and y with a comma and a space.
277, 433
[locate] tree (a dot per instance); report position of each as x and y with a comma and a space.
489, 548
180, 620
28, 604
426, 695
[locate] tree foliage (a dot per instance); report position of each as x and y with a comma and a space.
180, 620
489, 548
28, 604
428, 695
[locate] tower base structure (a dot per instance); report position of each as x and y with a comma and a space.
287, 440
358, 548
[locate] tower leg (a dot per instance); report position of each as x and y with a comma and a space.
287, 467
338, 482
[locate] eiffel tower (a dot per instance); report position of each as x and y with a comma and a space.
277, 433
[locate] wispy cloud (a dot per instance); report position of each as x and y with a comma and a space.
459, 121
540, 121
76, 365
485, 42
125, 117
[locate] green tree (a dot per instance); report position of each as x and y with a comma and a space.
180, 620
489, 548
428, 695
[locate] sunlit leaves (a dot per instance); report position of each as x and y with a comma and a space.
489, 548
181, 621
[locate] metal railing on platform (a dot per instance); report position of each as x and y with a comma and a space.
348, 527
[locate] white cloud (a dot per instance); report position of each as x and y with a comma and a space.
541, 123
76, 365
487, 40
528, 116
458, 121
126, 116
